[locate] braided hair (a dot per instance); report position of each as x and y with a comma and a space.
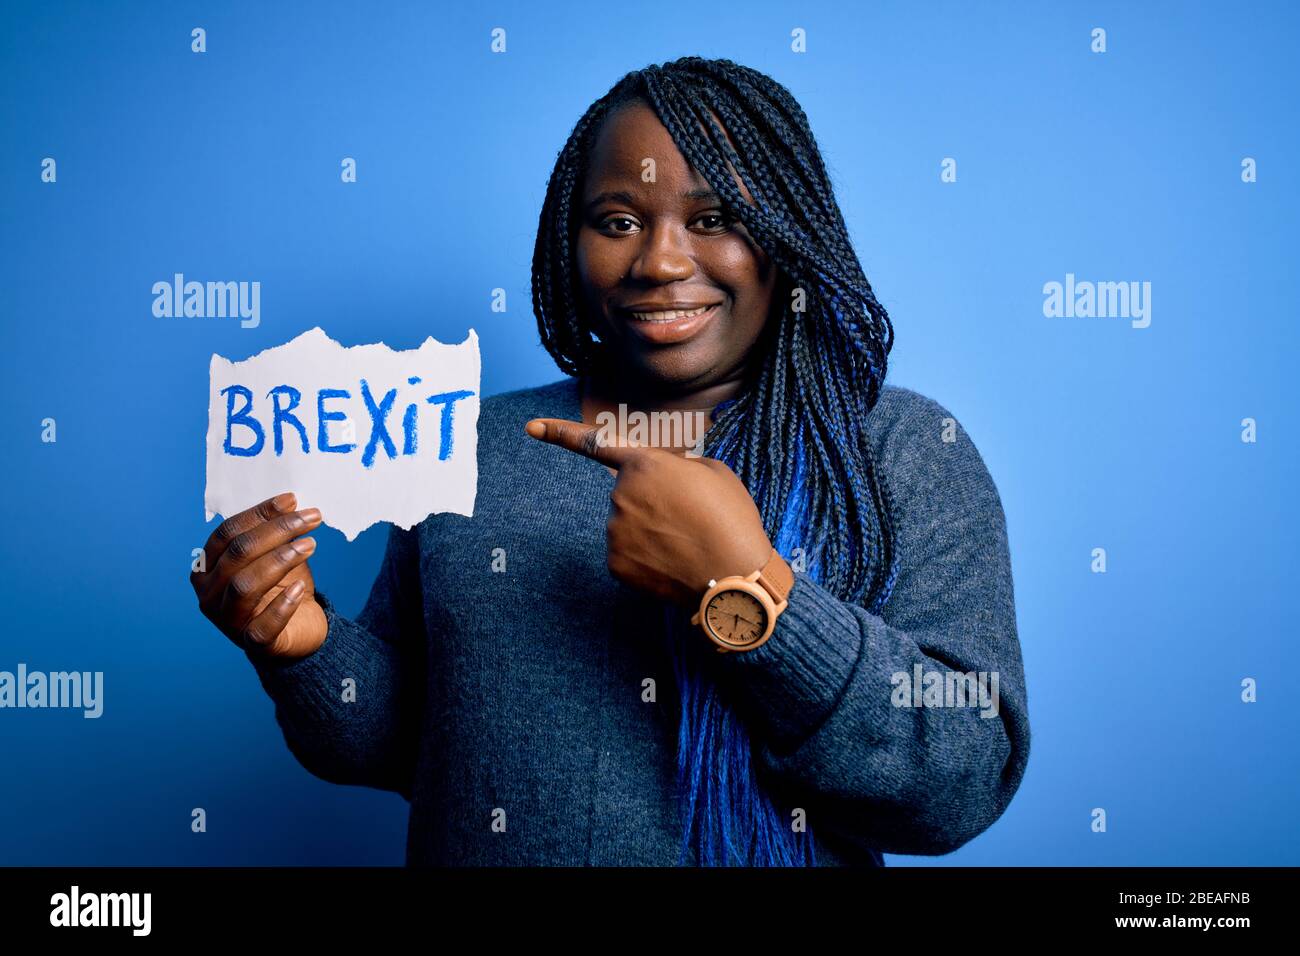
794, 435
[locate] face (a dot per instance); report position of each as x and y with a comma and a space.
649, 251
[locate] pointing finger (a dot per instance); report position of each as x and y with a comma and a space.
585, 440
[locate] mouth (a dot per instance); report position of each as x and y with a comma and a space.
671, 326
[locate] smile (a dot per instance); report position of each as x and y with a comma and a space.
669, 316
669, 327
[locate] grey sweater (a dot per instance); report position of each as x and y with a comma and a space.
509, 706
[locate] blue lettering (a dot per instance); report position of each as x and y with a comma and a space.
445, 432
285, 399
408, 430
241, 418
323, 418
285, 414
378, 429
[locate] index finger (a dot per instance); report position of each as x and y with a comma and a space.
237, 524
584, 440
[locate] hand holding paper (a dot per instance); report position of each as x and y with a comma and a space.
257, 588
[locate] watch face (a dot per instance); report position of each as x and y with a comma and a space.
736, 617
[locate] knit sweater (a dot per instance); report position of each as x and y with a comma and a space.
505, 692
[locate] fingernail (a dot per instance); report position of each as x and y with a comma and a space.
284, 502
295, 590
309, 515
303, 545
536, 429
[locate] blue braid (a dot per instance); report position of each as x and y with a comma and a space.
729, 818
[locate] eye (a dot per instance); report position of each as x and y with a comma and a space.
619, 225
715, 222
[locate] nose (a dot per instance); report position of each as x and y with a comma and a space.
664, 255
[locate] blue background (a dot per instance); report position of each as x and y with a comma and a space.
225, 166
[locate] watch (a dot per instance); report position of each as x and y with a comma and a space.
739, 613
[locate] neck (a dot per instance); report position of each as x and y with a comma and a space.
640, 394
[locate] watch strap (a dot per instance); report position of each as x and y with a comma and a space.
776, 577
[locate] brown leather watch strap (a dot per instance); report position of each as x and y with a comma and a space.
777, 577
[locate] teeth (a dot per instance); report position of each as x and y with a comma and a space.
669, 316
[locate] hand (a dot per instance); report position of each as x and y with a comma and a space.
675, 523
257, 589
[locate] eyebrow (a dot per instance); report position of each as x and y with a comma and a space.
703, 194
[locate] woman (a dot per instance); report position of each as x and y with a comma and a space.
635, 655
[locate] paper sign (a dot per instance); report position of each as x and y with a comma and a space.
365, 434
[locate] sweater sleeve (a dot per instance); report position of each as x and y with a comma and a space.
831, 692
364, 732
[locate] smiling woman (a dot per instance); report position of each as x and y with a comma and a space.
690, 258
662, 261
699, 184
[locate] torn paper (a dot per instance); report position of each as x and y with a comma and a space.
365, 434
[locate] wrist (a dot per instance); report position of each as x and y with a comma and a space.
793, 681
739, 612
